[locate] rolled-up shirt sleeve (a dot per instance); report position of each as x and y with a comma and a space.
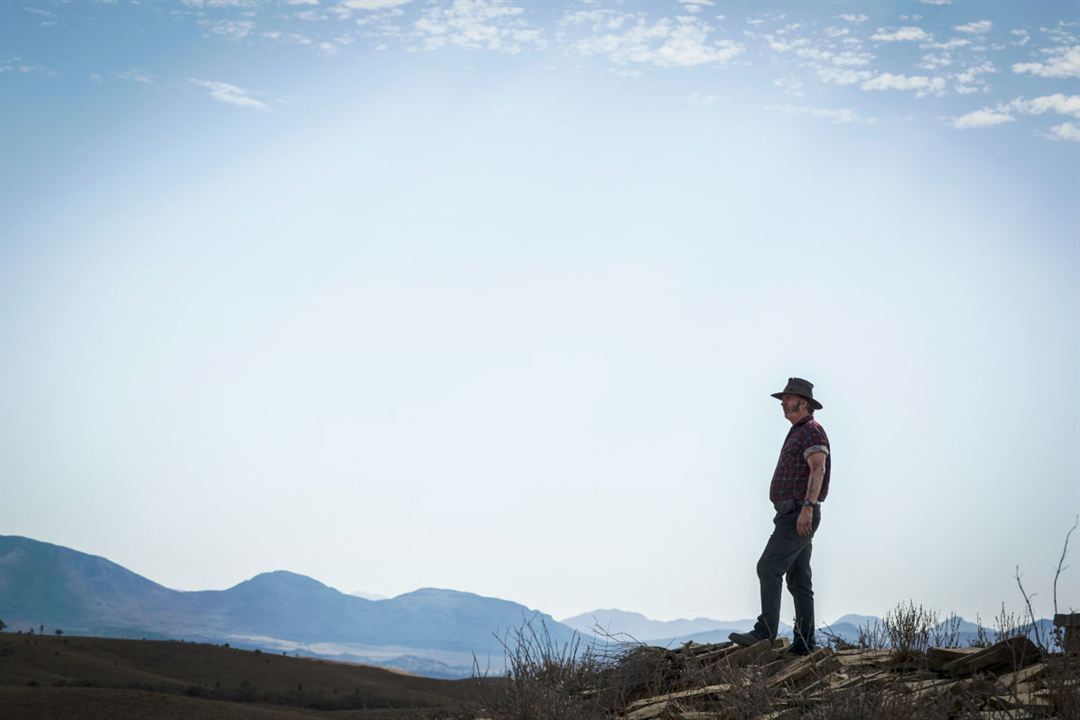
815, 449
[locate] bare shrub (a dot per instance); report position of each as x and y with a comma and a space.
908, 629
545, 679
872, 636
946, 633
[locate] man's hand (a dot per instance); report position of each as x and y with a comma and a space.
805, 524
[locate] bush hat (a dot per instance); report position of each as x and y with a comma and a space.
802, 388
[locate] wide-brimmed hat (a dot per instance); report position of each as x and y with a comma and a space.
802, 388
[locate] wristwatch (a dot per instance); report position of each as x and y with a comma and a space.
809, 503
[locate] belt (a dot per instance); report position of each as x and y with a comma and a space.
789, 505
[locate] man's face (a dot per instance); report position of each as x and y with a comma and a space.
791, 404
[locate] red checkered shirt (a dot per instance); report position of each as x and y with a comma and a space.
792, 477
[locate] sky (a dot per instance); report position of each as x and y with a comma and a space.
492, 296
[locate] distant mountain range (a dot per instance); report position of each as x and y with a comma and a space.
624, 625
431, 632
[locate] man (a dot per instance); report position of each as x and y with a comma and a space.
799, 485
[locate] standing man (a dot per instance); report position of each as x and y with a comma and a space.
799, 485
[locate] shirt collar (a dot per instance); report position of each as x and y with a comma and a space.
803, 421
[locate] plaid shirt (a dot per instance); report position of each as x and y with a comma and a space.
792, 476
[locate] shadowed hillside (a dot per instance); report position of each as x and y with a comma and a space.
40, 675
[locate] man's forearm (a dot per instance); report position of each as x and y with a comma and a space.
813, 489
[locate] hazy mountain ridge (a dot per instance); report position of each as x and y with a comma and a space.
430, 630
47, 584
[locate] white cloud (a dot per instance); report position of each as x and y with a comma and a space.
968, 80
1065, 131
327, 49
231, 94
952, 44
220, 3
372, 4
235, 30
835, 115
696, 6
491, 24
936, 2
790, 85
136, 76
931, 61
978, 27
301, 2
843, 76
16, 64
703, 100
1064, 62
853, 18
1023, 35
920, 83
904, 34
682, 43
982, 118
1068, 105
1058, 103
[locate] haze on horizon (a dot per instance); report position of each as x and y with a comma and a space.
491, 295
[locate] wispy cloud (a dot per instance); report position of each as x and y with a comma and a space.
977, 27
372, 4
16, 65
847, 17
136, 76
981, 118
704, 99
1064, 131
230, 94
235, 30
1058, 103
220, 3
790, 85
1064, 62
904, 34
922, 84
683, 42
936, 2
696, 6
834, 115
489, 24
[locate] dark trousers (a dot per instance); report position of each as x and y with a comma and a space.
787, 553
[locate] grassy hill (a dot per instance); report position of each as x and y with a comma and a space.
40, 675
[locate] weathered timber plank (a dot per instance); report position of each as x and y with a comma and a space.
861, 658
799, 668
1014, 654
648, 712
937, 657
751, 655
1032, 672
681, 695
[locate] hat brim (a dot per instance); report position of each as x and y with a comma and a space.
813, 403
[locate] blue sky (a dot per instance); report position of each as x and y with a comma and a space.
492, 295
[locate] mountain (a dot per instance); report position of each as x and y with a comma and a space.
639, 627
666, 633
368, 595
41, 583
